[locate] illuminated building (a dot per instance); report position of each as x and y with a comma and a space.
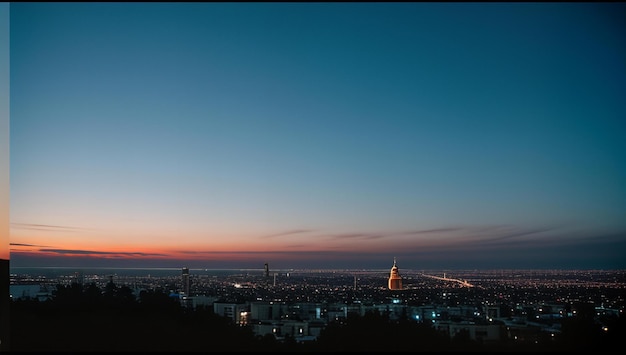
237, 312
395, 281
186, 281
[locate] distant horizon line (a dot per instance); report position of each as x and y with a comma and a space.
309, 269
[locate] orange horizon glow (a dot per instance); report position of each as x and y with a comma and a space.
80, 245
223, 256
287, 245
221, 251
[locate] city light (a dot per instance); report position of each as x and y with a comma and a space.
309, 302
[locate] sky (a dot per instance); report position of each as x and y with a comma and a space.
4, 134
318, 135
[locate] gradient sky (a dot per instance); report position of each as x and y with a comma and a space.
447, 135
4, 133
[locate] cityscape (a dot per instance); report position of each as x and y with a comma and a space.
312, 177
481, 310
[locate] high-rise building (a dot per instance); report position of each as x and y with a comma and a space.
267, 270
186, 283
395, 281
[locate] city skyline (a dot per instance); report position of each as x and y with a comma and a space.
338, 135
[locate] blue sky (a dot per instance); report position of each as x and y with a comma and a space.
447, 134
4, 133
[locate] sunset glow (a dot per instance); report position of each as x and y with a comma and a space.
318, 134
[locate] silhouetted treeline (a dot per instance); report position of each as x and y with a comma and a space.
87, 318
376, 332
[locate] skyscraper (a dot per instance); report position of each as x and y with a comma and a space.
395, 281
267, 270
186, 281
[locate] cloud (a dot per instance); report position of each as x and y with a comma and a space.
357, 236
508, 235
476, 235
456, 234
393, 234
47, 227
251, 252
510, 239
436, 230
290, 232
94, 252
483, 246
29, 245
76, 252
586, 250
350, 236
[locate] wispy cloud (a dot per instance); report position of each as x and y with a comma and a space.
505, 247
289, 232
96, 252
492, 238
394, 234
357, 236
29, 245
47, 227
256, 252
436, 230
514, 235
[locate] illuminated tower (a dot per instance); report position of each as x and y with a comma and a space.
186, 281
395, 281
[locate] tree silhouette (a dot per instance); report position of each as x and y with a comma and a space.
87, 318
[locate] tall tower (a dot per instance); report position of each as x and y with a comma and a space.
395, 281
267, 270
186, 281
